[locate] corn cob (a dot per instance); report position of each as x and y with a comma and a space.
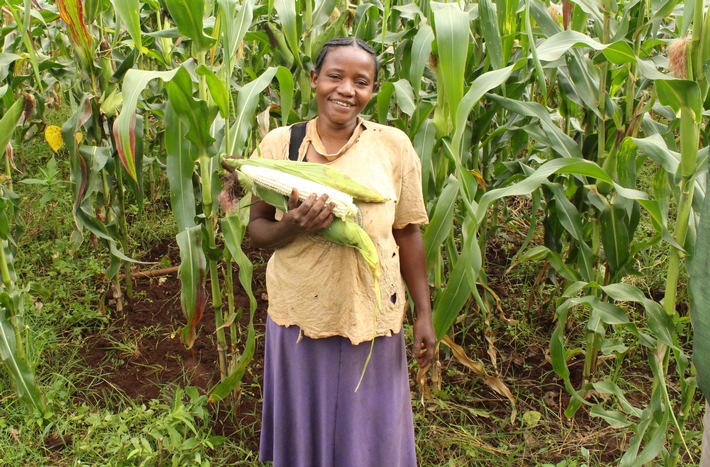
283, 183
318, 173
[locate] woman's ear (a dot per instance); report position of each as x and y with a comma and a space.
314, 79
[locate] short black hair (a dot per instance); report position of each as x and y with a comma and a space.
345, 42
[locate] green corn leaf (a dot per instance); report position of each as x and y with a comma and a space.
384, 97
222, 389
124, 126
322, 12
181, 157
449, 303
6, 60
236, 25
452, 30
615, 238
614, 418
558, 357
555, 46
187, 15
479, 88
336, 28
424, 142
540, 252
561, 143
129, 13
288, 19
18, 368
405, 96
9, 121
442, 220
421, 50
699, 273
218, 90
585, 80
195, 112
491, 33
679, 94
609, 387
247, 101
471, 254
192, 272
286, 90
539, 73
234, 230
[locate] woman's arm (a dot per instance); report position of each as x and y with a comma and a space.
311, 216
413, 268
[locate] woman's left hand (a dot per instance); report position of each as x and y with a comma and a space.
424, 341
413, 268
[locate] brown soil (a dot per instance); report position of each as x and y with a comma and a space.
142, 354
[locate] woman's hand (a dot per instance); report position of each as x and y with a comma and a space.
310, 217
424, 345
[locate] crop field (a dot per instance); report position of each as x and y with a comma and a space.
564, 150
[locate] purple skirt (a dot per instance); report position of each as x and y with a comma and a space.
312, 416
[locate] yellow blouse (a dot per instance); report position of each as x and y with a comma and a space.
327, 289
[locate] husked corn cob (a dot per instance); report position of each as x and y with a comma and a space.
283, 183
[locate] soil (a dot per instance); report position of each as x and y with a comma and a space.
142, 355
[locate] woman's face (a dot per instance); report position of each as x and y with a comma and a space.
344, 84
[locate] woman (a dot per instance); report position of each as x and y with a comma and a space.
320, 323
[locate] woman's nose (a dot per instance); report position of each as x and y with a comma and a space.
346, 88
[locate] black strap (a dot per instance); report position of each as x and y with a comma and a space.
298, 132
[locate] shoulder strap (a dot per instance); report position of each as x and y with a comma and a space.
298, 132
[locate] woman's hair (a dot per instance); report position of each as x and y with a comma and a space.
345, 42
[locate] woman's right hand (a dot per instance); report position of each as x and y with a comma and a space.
312, 215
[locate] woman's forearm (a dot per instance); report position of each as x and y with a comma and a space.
413, 267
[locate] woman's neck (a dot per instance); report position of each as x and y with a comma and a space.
334, 137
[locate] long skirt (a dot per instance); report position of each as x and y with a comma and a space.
312, 415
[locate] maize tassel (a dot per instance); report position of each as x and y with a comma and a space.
283, 183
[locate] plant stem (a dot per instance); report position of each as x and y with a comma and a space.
688, 154
206, 180
4, 268
123, 227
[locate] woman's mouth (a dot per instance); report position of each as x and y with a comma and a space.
341, 103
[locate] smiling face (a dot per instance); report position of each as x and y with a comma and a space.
344, 85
